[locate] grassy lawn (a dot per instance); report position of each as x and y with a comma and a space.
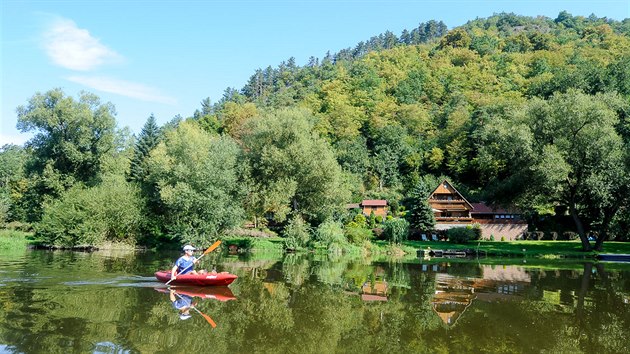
525, 248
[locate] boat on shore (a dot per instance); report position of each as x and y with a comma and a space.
207, 279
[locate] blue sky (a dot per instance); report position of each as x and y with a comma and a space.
165, 56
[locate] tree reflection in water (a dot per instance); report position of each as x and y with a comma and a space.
83, 303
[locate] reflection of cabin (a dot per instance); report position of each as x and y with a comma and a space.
454, 294
451, 209
452, 297
374, 291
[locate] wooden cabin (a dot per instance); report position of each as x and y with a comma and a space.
451, 209
377, 206
449, 205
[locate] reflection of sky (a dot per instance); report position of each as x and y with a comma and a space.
107, 347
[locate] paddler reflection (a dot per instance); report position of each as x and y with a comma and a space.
183, 303
185, 299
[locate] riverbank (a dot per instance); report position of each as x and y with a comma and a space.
15, 240
526, 249
535, 249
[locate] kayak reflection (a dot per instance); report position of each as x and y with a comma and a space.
183, 299
221, 293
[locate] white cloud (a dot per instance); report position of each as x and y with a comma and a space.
123, 88
74, 48
14, 139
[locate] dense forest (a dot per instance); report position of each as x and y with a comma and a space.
531, 113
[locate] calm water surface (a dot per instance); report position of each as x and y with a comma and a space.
104, 302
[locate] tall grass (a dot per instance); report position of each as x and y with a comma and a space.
13, 240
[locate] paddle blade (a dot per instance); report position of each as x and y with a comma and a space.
213, 247
210, 321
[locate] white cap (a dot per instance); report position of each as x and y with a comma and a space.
184, 316
189, 248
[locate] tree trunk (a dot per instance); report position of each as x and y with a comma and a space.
600, 241
603, 234
586, 246
581, 294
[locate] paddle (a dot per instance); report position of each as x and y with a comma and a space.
208, 319
210, 249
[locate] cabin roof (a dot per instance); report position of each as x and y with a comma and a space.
374, 202
454, 189
483, 208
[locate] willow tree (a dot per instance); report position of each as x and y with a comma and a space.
71, 137
293, 169
563, 151
198, 178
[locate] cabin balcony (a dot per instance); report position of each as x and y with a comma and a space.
454, 219
499, 221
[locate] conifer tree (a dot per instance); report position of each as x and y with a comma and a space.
149, 138
421, 214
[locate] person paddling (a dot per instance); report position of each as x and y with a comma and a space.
185, 264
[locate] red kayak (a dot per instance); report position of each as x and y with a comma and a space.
221, 293
208, 279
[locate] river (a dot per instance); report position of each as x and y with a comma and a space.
109, 302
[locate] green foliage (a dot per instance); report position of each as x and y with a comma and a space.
396, 230
292, 168
330, 233
514, 109
71, 138
420, 215
296, 233
356, 234
197, 176
372, 220
460, 234
566, 151
360, 220
148, 139
13, 240
477, 231
110, 211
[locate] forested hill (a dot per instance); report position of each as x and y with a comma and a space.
513, 110
396, 108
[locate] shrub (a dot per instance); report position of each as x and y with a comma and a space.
502, 238
396, 230
476, 228
379, 219
330, 232
110, 211
372, 221
357, 235
491, 237
461, 234
361, 220
296, 233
